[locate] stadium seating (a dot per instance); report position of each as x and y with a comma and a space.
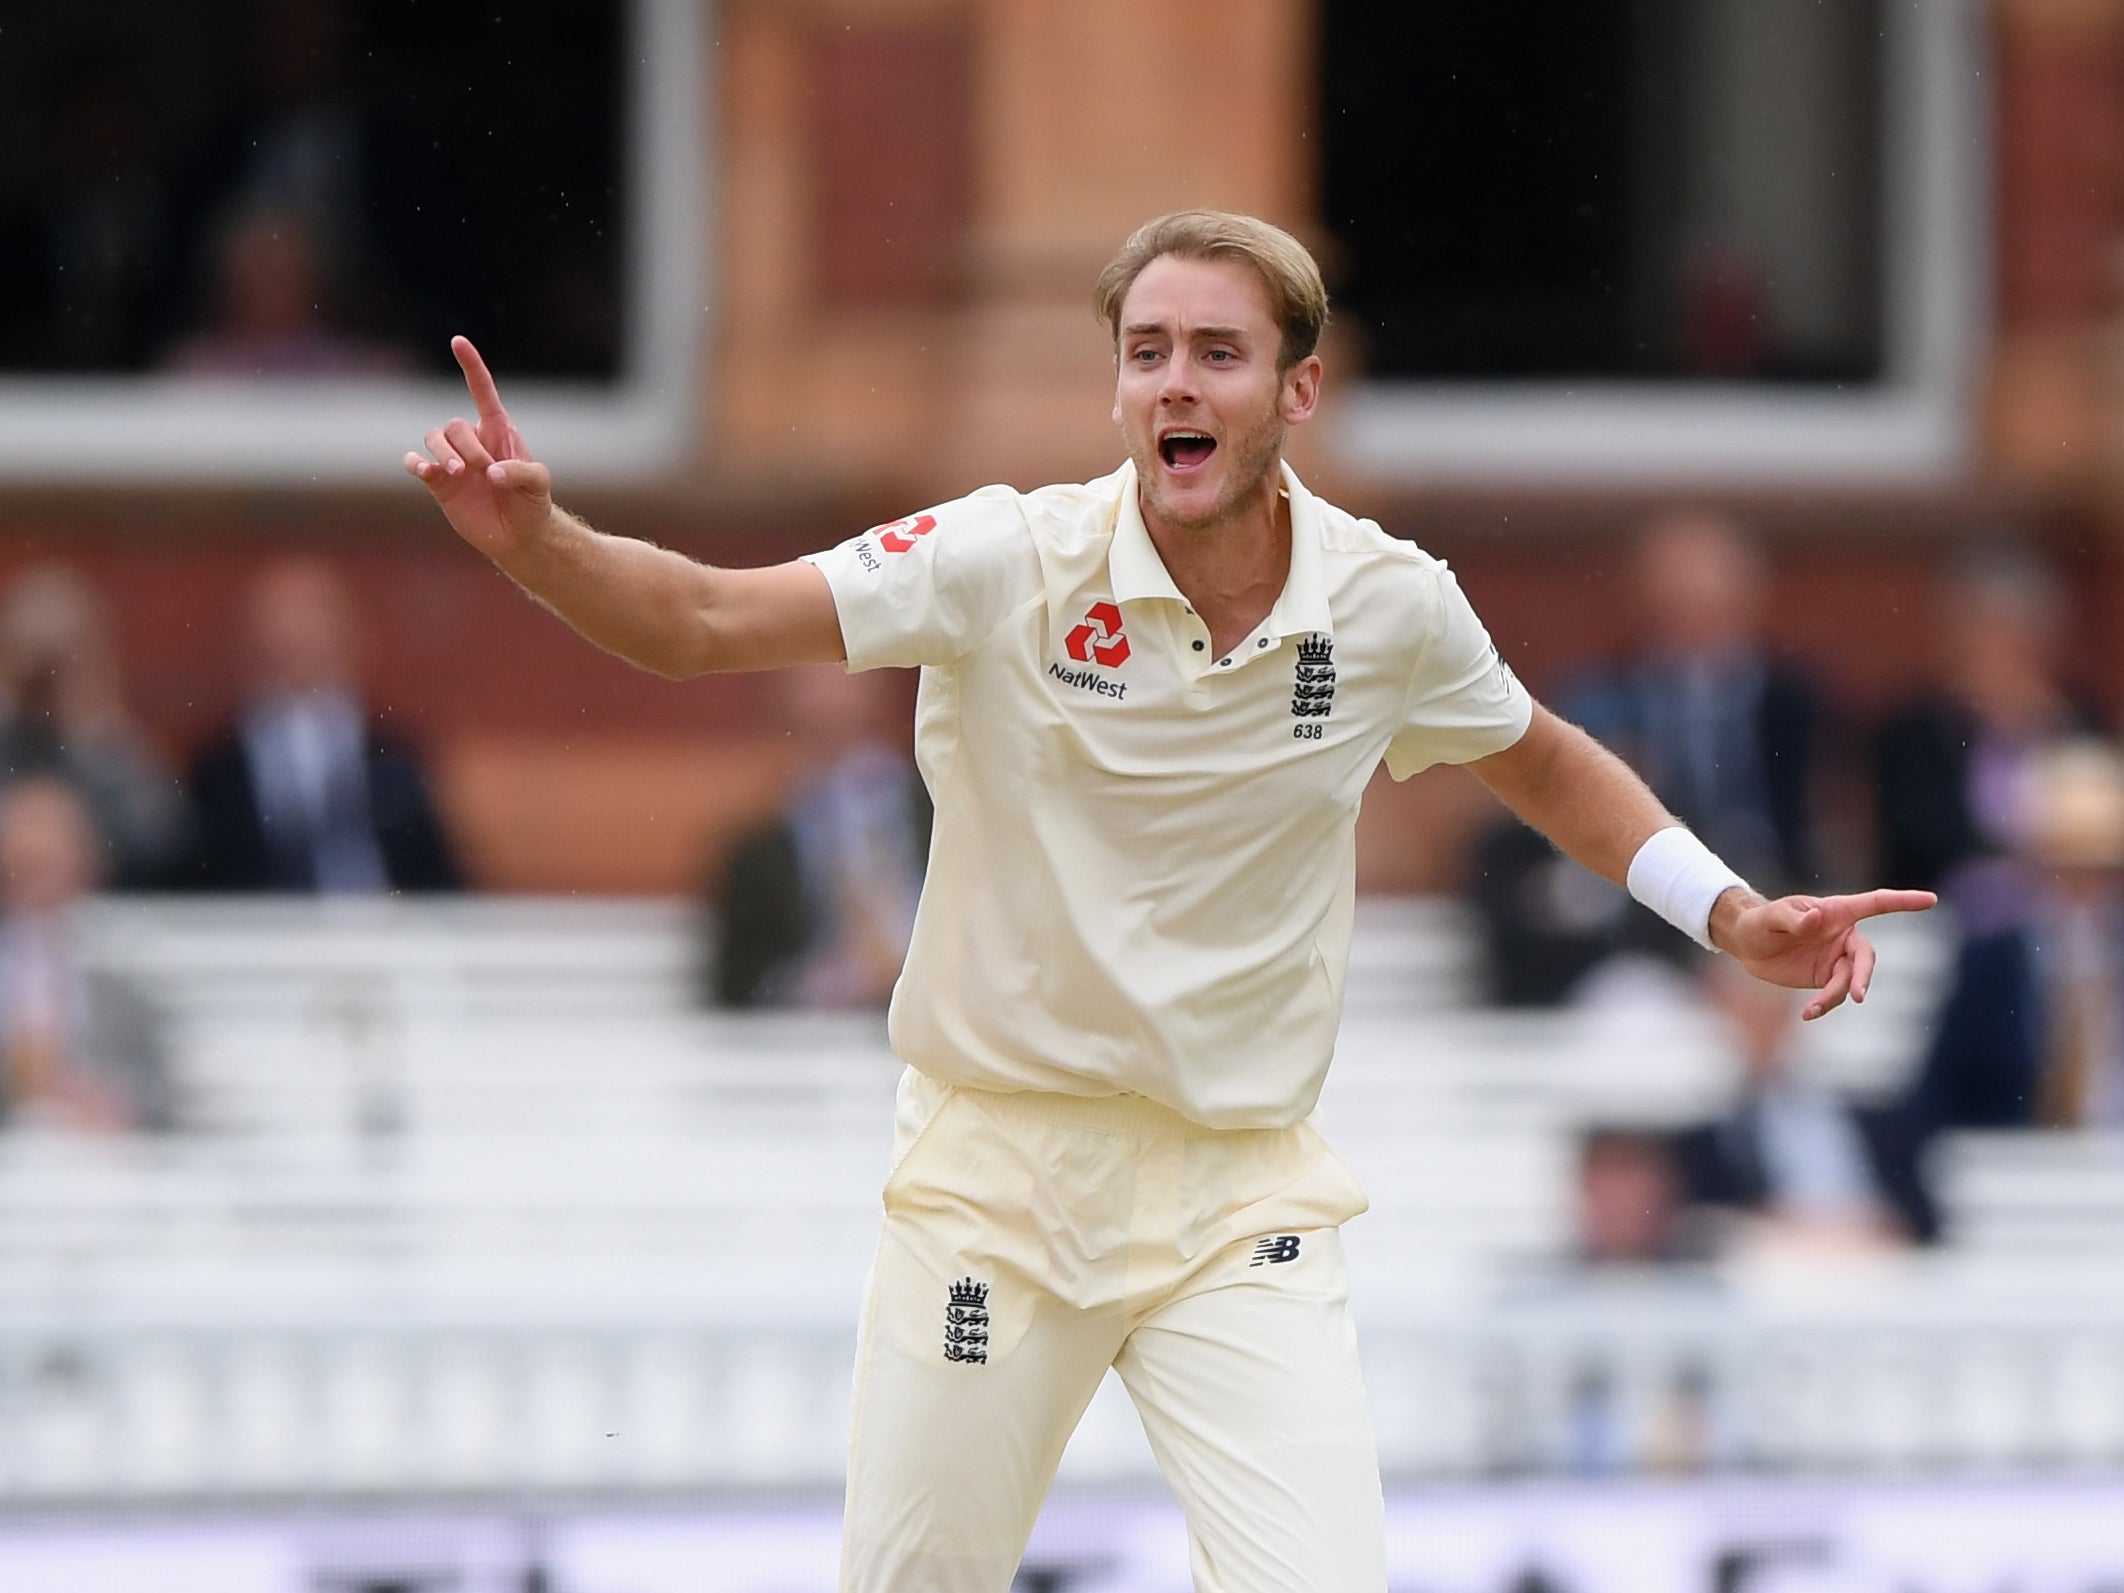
474, 1200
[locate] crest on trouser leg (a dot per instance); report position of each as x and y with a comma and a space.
966, 1322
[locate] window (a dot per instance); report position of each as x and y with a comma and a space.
242, 231
1654, 237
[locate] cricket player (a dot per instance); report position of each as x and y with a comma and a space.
1149, 705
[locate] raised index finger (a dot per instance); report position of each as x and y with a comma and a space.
1873, 903
477, 378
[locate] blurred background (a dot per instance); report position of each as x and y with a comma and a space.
444, 1081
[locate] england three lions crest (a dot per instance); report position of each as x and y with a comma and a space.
1313, 694
966, 1322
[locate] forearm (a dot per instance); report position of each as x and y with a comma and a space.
652, 607
1586, 800
647, 604
670, 614
1598, 812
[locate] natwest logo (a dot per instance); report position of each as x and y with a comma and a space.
899, 536
1098, 639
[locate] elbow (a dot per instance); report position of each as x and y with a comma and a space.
695, 641
689, 656
673, 669
667, 655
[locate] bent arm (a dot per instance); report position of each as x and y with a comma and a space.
1590, 803
670, 614
655, 608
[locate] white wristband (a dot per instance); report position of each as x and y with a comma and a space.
1680, 878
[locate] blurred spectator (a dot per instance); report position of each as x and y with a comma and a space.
63, 712
1950, 766
1629, 1201
305, 792
2032, 1029
81, 269
817, 907
1615, 1425
83, 1046
1728, 311
1790, 1157
1546, 922
275, 309
1720, 728
1722, 731
1629, 1231
342, 167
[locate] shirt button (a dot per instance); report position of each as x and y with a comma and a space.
1224, 663
1200, 645
1262, 643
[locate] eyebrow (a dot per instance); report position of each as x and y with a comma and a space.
1229, 334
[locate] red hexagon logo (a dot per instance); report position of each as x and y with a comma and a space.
899, 535
1098, 640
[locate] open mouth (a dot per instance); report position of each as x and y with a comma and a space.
1183, 450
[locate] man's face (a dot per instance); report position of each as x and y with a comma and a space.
47, 851
301, 630
1198, 398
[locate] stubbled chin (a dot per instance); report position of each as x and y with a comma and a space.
1196, 502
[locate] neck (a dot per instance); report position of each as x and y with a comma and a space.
1230, 569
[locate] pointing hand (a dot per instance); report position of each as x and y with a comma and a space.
1809, 942
492, 491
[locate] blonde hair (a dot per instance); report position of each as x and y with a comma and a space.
1297, 296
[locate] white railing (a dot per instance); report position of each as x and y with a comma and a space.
475, 1203
629, 1395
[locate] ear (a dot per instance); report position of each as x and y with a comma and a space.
1301, 390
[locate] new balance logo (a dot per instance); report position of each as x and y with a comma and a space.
966, 1322
1276, 1248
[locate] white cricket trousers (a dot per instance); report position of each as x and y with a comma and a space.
1032, 1241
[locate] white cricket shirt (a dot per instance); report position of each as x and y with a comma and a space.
1144, 864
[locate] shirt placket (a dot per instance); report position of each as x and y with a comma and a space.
1201, 667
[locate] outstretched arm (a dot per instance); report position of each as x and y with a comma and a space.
651, 606
1598, 812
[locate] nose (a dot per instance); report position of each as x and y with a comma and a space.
1178, 383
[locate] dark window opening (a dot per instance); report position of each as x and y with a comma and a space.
323, 188
1656, 189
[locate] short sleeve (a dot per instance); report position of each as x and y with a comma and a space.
1464, 702
930, 588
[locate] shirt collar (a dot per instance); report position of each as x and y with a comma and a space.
1136, 571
